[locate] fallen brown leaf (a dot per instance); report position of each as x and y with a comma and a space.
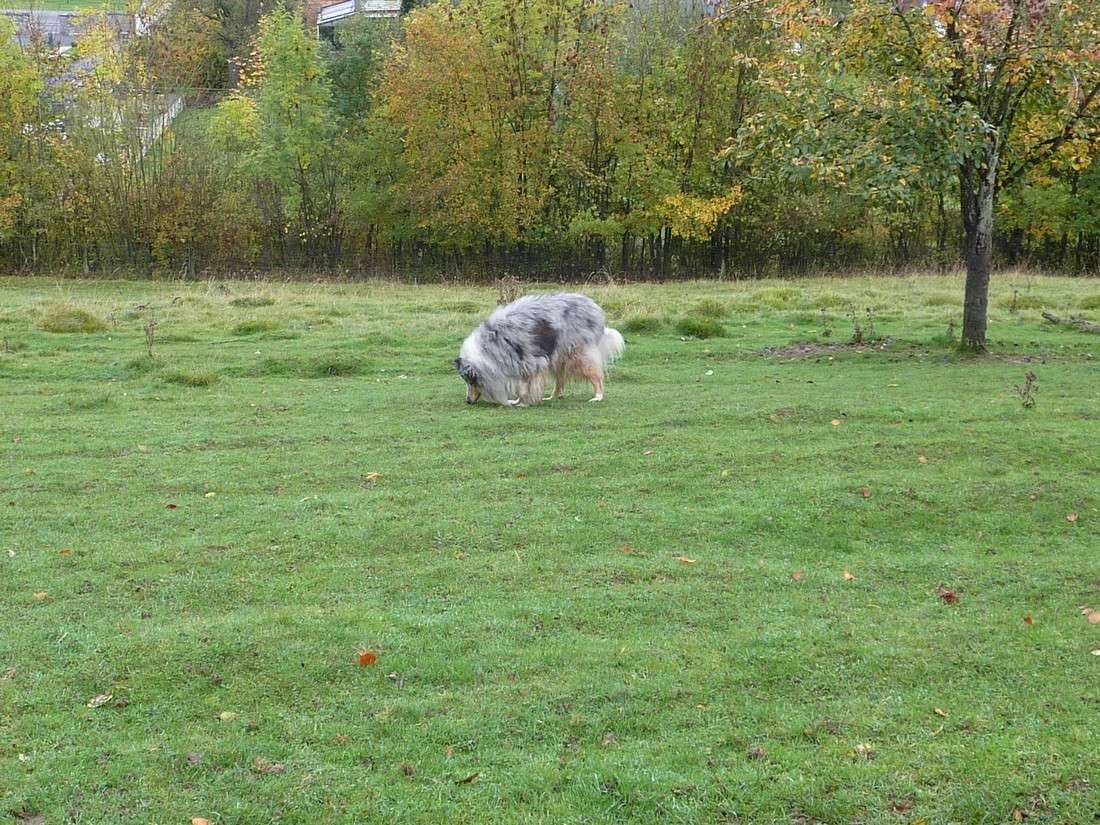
608, 739
467, 780
65, 551
848, 577
1018, 815
41, 596
685, 560
864, 751
198, 820
756, 752
100, 700
797, 575
629, 550
1094, 617
1028, 620
194, 758
866, 492
940, 712
922, 459
406, 769
448, 751
171, 507
367, 658
261, 765
947, 596
1071, 518
372, 476
835, 422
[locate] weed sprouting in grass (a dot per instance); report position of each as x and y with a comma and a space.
150, 333
1028, 390
66, 318
255, 326
641, 324
692, 327
509, 288
863, 325
252, 301
826, 324
710, 308
190, 378
949, 338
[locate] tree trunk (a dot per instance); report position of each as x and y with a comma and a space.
977, 195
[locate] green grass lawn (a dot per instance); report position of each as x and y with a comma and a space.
635, 611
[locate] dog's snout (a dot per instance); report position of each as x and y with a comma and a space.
470, 400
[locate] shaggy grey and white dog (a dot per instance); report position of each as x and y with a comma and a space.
508, 358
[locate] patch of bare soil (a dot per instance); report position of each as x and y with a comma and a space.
811, 349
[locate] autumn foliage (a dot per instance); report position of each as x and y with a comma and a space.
568, 135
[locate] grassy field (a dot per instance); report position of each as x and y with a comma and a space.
712, 598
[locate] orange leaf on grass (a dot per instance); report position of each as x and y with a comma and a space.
797, 575
367, 658
947, 596
685, 560
1028, 620
866, 492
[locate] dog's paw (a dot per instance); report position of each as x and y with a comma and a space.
514, 402
595, 398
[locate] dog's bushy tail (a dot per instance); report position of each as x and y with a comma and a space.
611, 346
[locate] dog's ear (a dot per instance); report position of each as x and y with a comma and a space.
467, 371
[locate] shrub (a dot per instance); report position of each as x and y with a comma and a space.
254, 326
700, 327
776, 297
1090, 302
335, 367
942, 299
709, 308
828, 300
641, 324
69, 318
1018, 301
191, 378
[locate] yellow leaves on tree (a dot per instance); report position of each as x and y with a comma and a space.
695, 218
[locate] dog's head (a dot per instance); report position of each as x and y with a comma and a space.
469, 375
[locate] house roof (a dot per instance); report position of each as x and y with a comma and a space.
349, 8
